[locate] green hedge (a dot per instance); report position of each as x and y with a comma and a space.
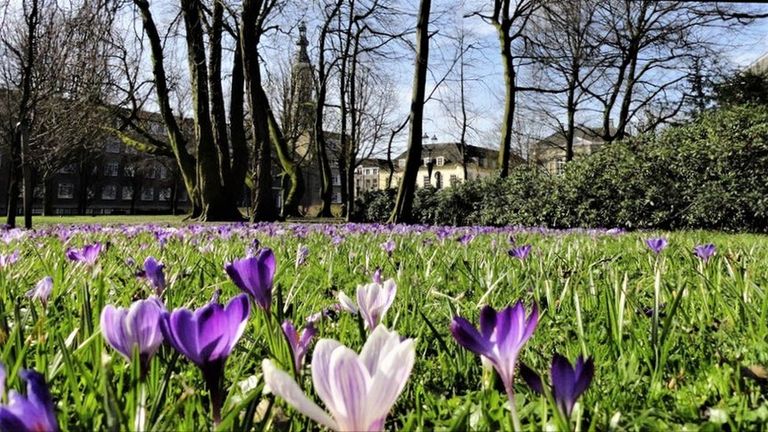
711, 173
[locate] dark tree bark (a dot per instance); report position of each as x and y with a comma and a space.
263, 201
176, 139
326, 187
403, 210
20, 165
216, 203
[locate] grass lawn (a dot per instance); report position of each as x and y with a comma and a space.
677, 342
105, 220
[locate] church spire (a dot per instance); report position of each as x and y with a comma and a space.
302, 85
302, 56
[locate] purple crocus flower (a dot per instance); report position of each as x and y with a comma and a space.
373, 302
521, 252
42, 290
388, 246
568, 383
137, 326
206, 337
501, 337
299, 342
87, 255
656, 244
254, 275
33, 412
358, 390
7, 260
153, 272
377, 276
705, 251
465, 239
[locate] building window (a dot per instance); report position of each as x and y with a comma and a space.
336, 180
66, 191
367, 184
560, 166
152, 171
375, 184
440, 161
454, 180
109, 192
111, 169
67, 169
129, 170
438, 180
367, 171
427, 161
147, 194
163, 173
426, 180
112, 147
164, 194
336, 198
127, 193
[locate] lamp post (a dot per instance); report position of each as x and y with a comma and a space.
430, 161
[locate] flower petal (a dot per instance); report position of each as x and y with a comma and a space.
389, 380
350, 382
284, 386
467, 336
321, 372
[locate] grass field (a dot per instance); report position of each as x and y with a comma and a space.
677, 342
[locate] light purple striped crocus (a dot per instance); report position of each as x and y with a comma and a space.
373, 302
136, 327
521, 252
705, 251
7, 260
42, 290
154, 273
87, 255
656, 244
299, 342
358, 390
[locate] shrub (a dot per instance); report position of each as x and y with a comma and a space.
707, 174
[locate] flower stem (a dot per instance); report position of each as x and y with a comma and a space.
516, 426
213, 375
140, 417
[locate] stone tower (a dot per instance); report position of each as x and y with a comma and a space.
302, 87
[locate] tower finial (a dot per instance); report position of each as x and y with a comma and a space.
302, 56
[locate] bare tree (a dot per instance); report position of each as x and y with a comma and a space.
510, 18
403, 211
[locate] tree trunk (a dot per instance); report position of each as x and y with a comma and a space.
324, 163
13, 183
26, 168
402, 212
216, 203
177, 142
263, 201
292, 171
509, 98
48, 196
